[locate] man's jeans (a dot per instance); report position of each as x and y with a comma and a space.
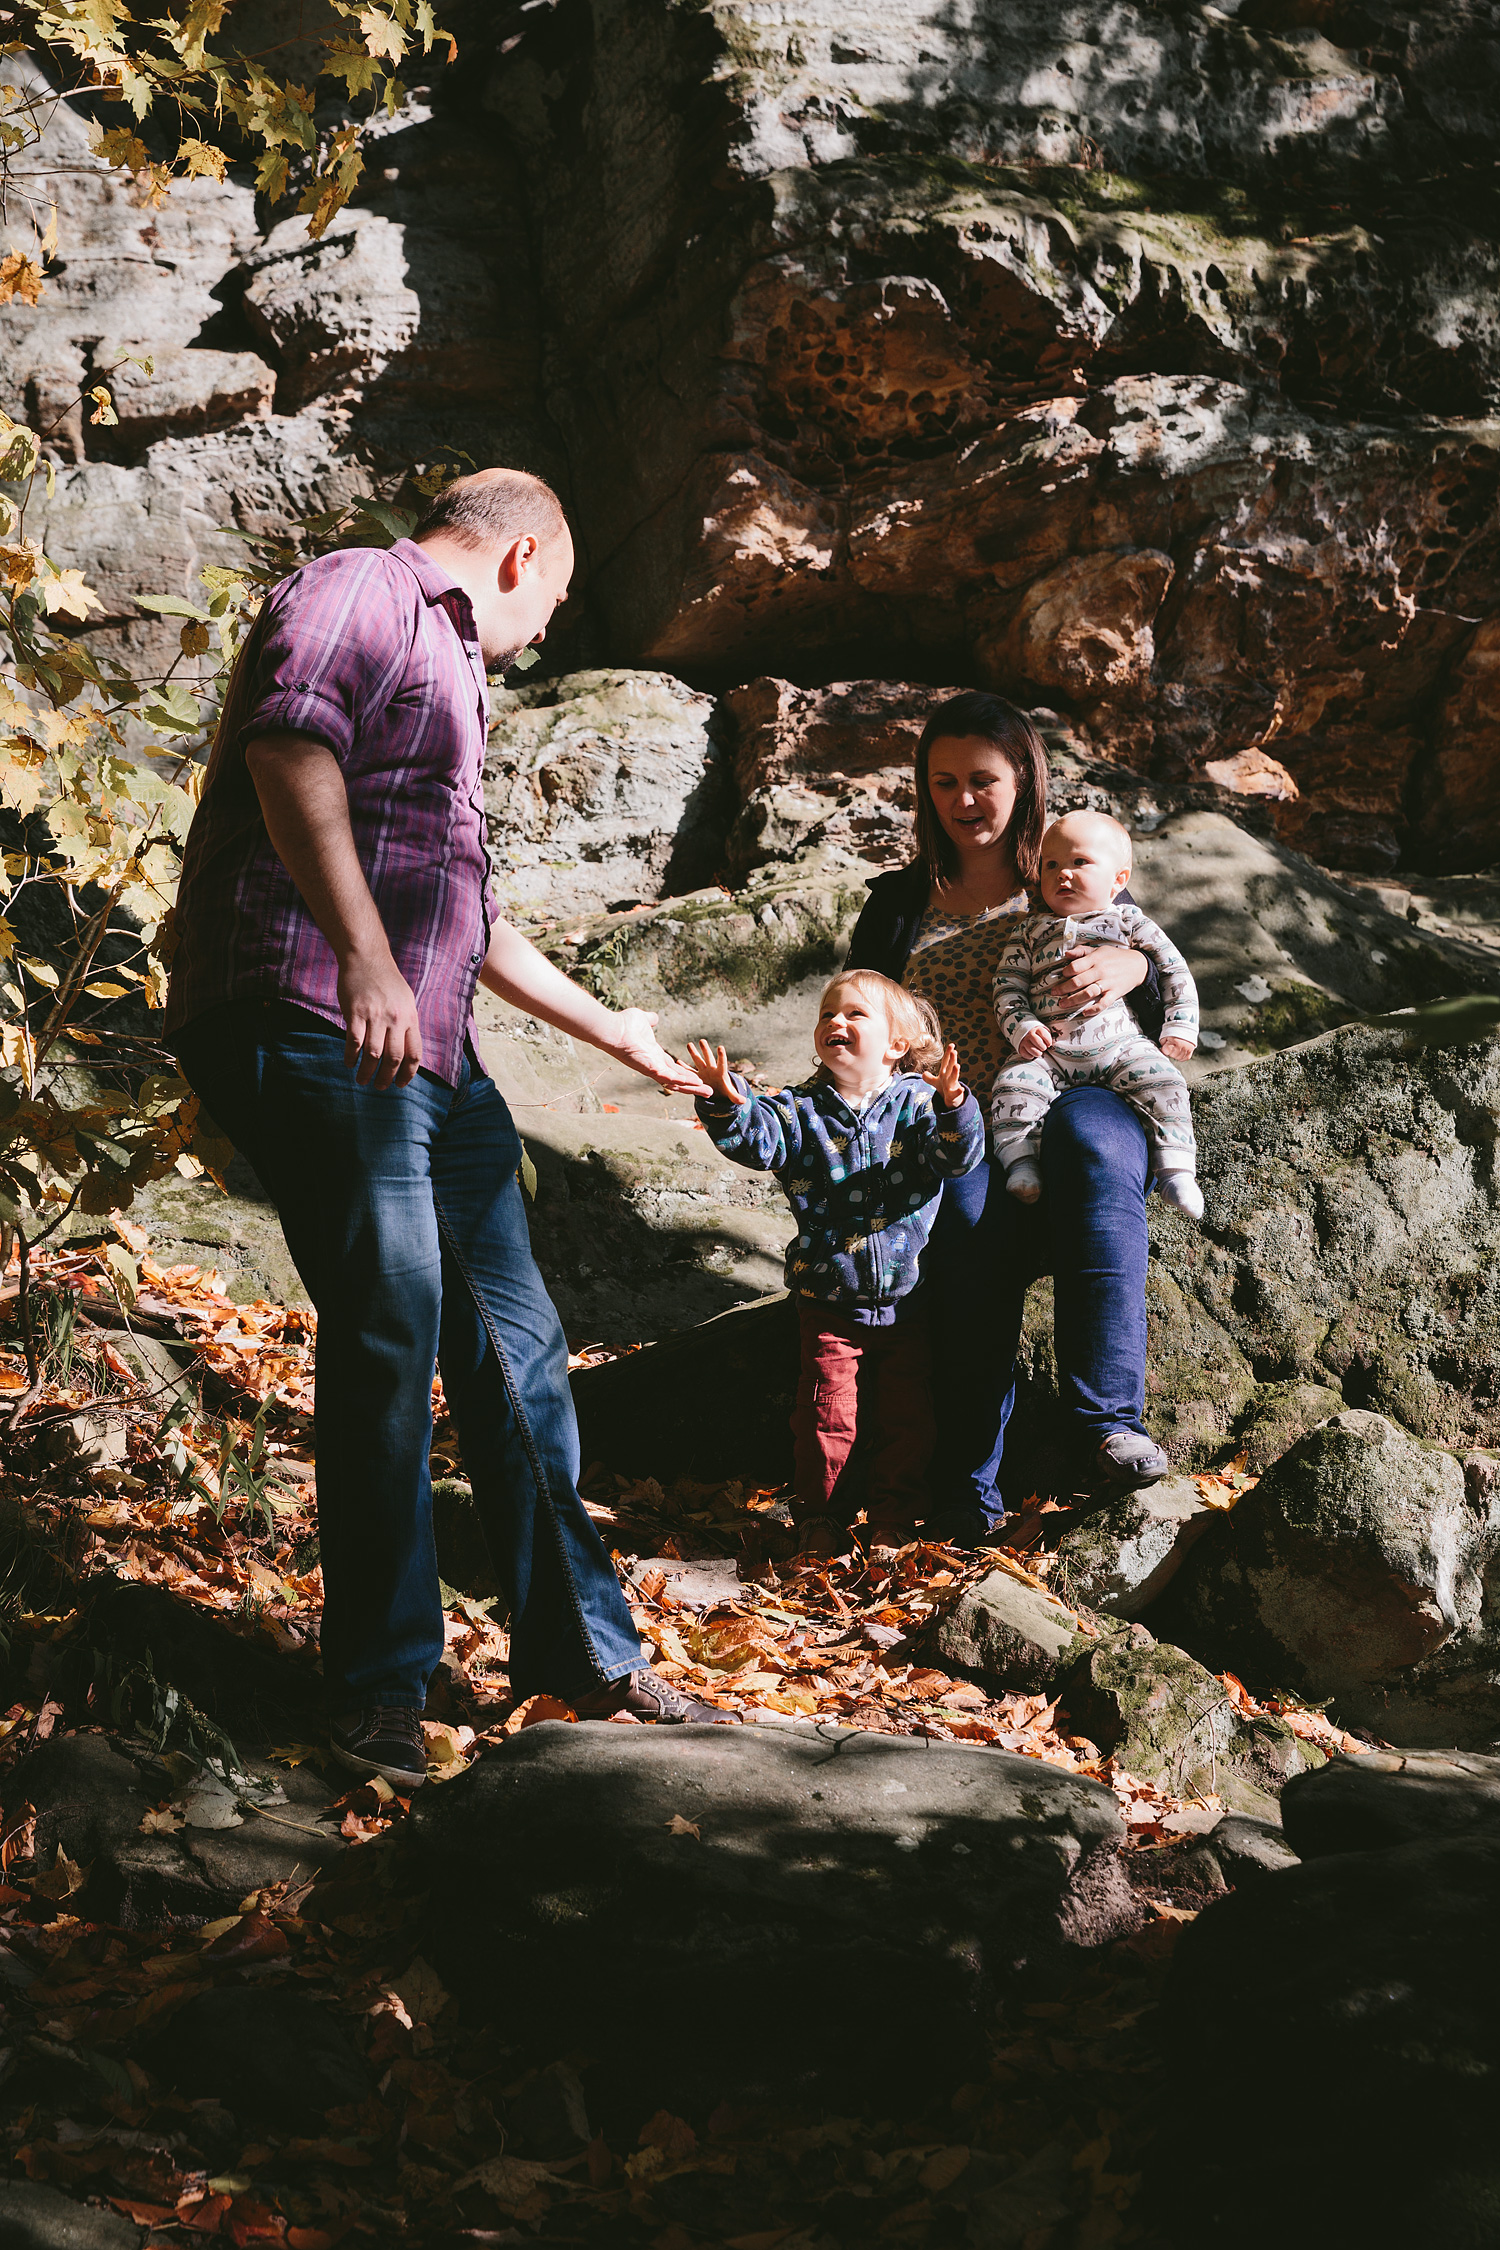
404, 1214
1089, 1232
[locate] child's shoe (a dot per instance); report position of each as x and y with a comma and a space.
819, 1538
1024, 1180
1182, 1191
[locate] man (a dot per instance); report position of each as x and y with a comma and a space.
333, 920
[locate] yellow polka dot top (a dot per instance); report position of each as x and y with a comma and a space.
952, 964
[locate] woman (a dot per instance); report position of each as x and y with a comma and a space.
938, 927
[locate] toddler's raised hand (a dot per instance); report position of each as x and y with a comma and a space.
712, 1063
947, 1078
1176, 1050
1036, 1042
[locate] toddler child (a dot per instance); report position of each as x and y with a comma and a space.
1085, 862
861, 1152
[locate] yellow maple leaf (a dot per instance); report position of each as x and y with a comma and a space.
202, 159
20, 276
383, 35
18, 565
65, 591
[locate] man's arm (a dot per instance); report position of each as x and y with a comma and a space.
301, 789
527, 979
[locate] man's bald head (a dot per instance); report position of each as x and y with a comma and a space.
502, 536
492, 509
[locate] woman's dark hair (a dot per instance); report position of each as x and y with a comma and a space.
992, 720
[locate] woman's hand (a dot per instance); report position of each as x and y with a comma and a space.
947, 1078
636, 1045
1098, 976
713, 1064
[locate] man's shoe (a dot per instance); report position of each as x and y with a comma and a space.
385, 1740
1127, 1460
646, 1695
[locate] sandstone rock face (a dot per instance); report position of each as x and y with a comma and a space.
287, 373
602, 787
1149, 360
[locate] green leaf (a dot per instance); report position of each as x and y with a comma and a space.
528, 1173
392, 521
171, 605
173, 710
524, 658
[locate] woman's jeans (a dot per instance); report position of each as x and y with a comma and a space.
404, 1214
1089, 1230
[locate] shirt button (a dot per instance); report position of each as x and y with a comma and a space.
302, 687
475, 959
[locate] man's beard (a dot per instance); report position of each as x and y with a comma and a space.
501, 659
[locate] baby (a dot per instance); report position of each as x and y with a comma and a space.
861, 1151
1085, 863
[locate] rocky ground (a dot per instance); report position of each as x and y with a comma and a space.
926, 1948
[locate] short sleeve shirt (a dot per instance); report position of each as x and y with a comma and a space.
372, 651
952, 964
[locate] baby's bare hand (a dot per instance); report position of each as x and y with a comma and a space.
1036, 1042
1176, 1050
712, 1064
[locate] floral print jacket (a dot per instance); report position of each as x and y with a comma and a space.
863, 1184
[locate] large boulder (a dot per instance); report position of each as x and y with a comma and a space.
1392, 1797
1357, 1570
580, 1866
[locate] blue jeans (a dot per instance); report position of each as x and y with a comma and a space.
986, 1248
403, 1212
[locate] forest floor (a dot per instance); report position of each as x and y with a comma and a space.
123, 1470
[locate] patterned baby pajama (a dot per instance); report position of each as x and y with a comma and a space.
1108, 1049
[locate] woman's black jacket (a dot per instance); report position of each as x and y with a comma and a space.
884, 932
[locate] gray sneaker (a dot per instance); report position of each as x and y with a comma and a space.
1126, 1460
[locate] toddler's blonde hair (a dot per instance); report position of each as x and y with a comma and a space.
911, 1019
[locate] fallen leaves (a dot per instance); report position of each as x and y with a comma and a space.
677, 1826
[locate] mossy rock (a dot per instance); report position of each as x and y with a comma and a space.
1167, 1720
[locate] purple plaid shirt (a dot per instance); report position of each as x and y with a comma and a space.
372, 651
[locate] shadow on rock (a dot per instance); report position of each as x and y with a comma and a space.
584, 1876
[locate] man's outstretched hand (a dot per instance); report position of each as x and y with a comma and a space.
713, 1063
635, 1044
947, 1078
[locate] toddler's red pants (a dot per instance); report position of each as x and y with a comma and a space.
872, 1382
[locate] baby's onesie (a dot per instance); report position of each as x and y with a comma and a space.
1107, 1049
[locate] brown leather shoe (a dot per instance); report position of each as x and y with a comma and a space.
646, 1695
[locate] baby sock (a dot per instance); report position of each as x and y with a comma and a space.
1024, 1180
1181, 1190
